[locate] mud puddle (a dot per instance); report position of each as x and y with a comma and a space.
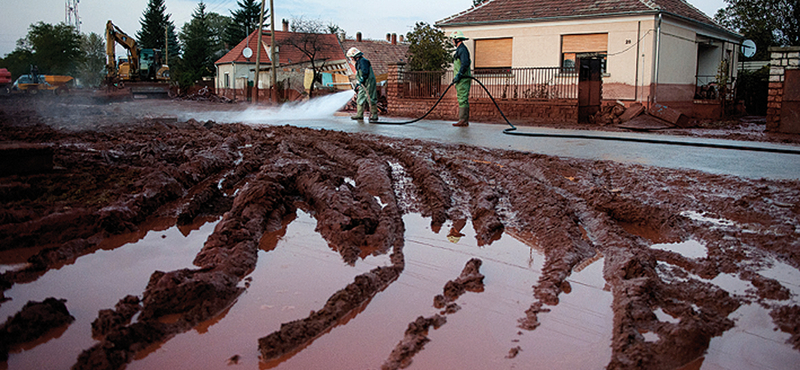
295, 274
755, 342
96, 281
479, 335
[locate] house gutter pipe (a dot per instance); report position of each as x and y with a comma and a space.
658, 58
636, 78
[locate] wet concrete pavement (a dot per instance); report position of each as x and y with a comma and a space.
743, 163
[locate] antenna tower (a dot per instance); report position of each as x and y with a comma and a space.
71, 17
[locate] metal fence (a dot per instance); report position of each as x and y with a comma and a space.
542, 83
708, 87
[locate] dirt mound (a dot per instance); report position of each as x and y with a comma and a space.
32, 322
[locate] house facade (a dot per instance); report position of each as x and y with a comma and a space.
236, 70
654, 51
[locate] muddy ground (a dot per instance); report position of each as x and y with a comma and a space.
114, 170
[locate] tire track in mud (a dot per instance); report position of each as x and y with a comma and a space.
573, 210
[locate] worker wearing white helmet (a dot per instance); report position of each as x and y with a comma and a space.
365, 86
461, 78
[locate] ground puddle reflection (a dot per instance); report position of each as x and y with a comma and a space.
98, 281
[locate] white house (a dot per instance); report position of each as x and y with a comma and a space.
657, 51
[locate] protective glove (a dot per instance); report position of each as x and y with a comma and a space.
457, 78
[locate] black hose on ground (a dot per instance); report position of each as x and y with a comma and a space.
420, 118
511, 131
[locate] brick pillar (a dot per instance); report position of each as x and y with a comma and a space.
394, 86
782, 58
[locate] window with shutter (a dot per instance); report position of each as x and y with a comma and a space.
586, 43
493, 55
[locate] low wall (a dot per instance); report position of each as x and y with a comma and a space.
481, 109
779, 118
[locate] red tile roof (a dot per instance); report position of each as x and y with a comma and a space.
379, 53
514, 11
286, 54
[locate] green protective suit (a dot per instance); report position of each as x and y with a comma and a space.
461, 67
366, 77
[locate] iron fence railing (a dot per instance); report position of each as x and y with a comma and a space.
708, 87
543, 83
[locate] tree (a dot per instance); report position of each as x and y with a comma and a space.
197, 61
93, 59
18, 62
54, 49
154, 22
429, 49
767, 22
336, 30
308, 36
217, 23
244, 21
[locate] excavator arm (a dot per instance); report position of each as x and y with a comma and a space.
114, 36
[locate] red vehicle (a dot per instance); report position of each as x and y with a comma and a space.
5, 80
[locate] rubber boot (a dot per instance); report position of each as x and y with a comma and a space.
359, 113
463, 117
373, 113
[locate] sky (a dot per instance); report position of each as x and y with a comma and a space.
374, 19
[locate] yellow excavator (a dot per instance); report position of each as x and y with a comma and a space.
141, 64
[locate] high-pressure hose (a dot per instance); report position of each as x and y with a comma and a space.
511, 131
420, 118
506, 131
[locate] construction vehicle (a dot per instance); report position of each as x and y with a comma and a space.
53, 83
143, 71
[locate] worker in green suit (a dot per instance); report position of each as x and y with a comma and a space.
462, 80
365, 86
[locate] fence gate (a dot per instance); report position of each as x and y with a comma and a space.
790, 107
590, 85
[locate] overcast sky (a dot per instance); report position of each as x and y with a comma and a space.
373, 18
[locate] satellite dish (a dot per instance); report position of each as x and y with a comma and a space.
748, 48
247, 52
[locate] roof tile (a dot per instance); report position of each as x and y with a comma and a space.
286, 54
499, 11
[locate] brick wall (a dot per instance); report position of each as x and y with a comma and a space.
481, 109
782, 58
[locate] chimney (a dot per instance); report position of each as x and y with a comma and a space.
285, 25
401, 39
388, 37
394, 39
358, 36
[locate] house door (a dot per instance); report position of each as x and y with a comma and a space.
590, 85
790, 106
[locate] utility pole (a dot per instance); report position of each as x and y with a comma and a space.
273, 73
166, 44
258, 48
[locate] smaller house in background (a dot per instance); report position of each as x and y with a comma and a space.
236, 69
380, 53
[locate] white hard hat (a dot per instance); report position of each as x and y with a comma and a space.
353, 52
456, 35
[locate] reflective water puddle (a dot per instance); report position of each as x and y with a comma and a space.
297, 272
755, 342
689, 249
98, 281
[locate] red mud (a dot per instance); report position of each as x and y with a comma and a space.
113, 172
